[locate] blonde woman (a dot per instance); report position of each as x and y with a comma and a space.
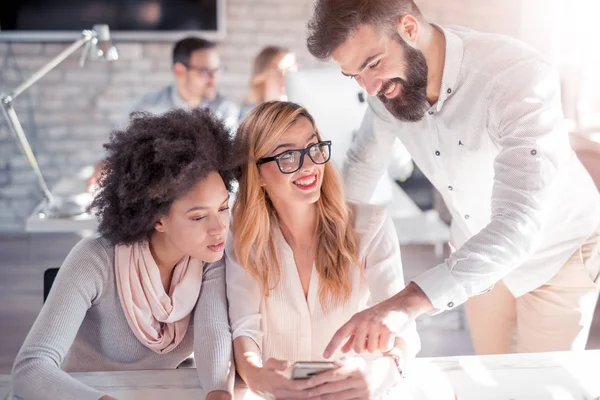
302, 261
267, 81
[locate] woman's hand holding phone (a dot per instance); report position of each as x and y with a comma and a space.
273, 381
347, 382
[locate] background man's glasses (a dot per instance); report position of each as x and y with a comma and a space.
206, 72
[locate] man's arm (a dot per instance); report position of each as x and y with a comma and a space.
527, 116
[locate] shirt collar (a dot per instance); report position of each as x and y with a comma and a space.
176, 99
179, 102
452, 64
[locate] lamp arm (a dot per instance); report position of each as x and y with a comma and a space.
6, 101
87, 35
15, 125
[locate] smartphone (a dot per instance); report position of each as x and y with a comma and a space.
305, 370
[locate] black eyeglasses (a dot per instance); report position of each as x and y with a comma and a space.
205, 71
291, 161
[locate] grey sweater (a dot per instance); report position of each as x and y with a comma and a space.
82, 327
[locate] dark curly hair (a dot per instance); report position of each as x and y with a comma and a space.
154, 161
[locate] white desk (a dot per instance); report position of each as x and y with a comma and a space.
67, 186
545, 376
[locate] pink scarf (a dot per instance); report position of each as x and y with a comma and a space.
159, 320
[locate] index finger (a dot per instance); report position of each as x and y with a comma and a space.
336, 341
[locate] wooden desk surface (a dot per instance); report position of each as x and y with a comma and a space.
552, 376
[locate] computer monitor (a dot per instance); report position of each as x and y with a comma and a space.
131, 20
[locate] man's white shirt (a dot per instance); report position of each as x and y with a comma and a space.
496, 147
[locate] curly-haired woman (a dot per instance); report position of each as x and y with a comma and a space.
149, 288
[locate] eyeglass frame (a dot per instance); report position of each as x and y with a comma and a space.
205, 71
303, 152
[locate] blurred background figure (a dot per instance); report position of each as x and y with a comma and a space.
267, 81
196, 68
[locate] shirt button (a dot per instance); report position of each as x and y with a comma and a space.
437, 153
467, 216
533, 152
430, 112
450, 305
450, 188
449, 90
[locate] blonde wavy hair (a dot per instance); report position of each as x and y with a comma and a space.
254, 215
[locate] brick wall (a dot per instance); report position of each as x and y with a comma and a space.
70, 112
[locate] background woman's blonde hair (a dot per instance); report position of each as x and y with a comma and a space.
254, 216
261, 63
266, 56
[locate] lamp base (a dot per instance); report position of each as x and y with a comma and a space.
66, 207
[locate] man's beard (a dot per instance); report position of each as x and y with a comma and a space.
411, 103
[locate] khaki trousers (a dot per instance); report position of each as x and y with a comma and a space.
556, 316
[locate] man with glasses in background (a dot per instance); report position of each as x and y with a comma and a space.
196, 66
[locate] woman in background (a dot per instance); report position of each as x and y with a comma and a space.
302, 260
267, 82
149, 289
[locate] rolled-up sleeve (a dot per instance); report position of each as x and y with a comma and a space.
526, 115
244, 295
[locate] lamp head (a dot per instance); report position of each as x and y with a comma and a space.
102, 47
